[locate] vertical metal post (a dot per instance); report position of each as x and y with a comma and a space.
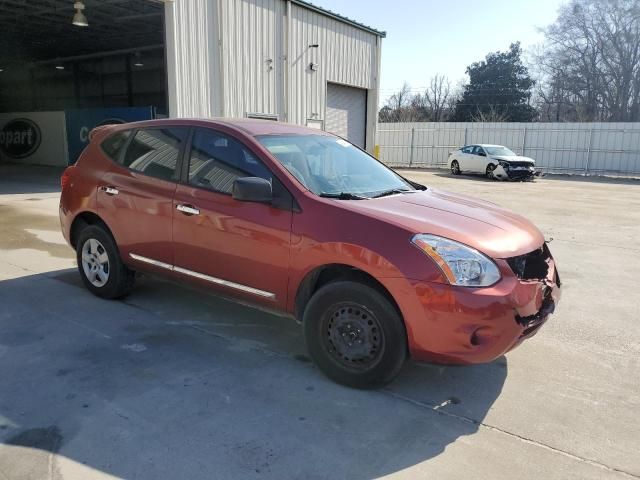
586, 165
76, 84
413, 134
466, 141
127, 66
524, 140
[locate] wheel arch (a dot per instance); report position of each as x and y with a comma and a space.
328, 273
83, 220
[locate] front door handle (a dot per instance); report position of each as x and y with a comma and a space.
110, 190
188, 209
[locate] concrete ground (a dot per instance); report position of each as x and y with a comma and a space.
173, 383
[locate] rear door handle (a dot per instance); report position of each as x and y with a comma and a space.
110, 190
188, 209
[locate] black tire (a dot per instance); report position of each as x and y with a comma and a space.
455, 168
378, 335
489, 171
120, 279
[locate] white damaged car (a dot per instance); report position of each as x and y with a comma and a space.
494, 161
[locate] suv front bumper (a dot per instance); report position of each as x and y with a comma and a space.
461, 325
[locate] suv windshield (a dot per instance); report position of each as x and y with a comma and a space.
498, 151
332, 167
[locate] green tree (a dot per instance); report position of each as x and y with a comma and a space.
499, 90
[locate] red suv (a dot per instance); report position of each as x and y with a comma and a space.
376, 267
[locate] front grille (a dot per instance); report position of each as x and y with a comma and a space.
533, 265
520, 164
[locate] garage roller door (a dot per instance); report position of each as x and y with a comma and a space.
347, 112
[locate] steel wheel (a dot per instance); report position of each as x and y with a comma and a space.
455, 168
95, 262
354, 334
353, 337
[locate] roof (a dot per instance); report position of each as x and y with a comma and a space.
337, 16
250, 126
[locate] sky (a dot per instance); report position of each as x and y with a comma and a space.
429, 37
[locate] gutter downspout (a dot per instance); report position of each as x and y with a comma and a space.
286, 65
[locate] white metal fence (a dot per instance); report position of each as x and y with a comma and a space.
591, 148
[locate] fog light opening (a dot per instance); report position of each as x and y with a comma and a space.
475, 338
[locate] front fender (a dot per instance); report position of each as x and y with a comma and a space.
307, 258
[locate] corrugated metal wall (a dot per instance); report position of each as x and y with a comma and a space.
252, 50
556, 147
345, 55
191, 56
235, 58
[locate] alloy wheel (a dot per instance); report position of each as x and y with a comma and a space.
490, 169
95, 262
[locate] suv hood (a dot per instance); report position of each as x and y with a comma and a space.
489, 228
513, 158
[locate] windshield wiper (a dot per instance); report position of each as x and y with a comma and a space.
392, 191
342, 196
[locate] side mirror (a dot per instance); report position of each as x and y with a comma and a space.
482, 154
252, 189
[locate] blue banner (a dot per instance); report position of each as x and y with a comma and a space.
80, 122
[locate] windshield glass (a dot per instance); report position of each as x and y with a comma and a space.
331, 166
498, 151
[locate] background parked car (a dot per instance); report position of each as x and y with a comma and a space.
494, 161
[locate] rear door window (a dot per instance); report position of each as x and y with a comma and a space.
156, 152
114, 144
467, 149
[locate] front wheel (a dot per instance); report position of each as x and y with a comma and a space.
489, 172
355, 335
100, 266
455, 167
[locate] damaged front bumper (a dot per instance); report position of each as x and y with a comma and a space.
457, 325
515, 172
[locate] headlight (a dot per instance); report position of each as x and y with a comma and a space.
503, 164
462, 265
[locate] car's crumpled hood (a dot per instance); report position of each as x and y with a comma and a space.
485, 226
513, 158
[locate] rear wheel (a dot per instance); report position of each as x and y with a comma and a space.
100, 266
355, 335
455, 167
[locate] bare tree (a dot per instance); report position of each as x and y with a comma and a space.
399, 107
436, 97
436, 104
591, 64
490, 113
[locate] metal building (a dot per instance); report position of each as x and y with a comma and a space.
285, 60
67, 66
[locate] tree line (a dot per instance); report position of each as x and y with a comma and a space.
588, 69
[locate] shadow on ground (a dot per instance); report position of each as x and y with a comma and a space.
173, 383
20, 178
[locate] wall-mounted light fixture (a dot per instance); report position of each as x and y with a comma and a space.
59, 67
313, 67
314, 45
137, 60
79, 19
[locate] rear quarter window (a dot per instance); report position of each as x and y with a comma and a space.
114, 144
